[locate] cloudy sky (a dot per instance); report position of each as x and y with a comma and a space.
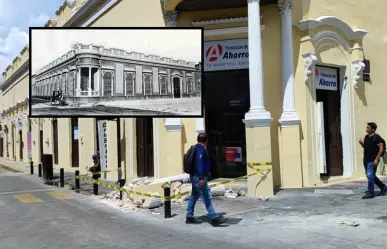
48, 45
16, 16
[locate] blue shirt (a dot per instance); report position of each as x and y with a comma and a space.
202, 162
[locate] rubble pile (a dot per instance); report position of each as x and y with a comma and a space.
127, 202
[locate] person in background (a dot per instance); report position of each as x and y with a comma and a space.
373, 149
200, 187
96, 167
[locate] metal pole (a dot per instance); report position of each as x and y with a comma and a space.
40, 170
119, 148
61, 177
32, 167
95, 185
77, 187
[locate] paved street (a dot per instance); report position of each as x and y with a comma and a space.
35, 215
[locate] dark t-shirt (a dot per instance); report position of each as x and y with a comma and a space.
371, 147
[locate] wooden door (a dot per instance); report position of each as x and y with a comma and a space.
41, 144
1, 147
144, 139
75, 142
21, 145
176, 87
55, 142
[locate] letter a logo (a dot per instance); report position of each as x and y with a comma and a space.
214, 52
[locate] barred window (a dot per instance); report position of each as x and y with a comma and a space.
163, 85
148, 84
129, 84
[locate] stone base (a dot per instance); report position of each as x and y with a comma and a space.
291, 164
258, 145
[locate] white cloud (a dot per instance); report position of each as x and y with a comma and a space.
11, 45
37, 21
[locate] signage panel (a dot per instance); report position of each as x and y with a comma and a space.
326, 78
233, 154
226, 55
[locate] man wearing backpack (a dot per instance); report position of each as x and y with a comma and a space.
199, 176
374, 148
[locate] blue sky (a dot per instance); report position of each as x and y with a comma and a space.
16, 16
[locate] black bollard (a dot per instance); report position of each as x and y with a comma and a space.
95, 185
167, 201
32, 167
40, 170
77, 187
122, 184
61, 177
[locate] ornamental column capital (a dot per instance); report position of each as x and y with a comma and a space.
285, 5
171, 18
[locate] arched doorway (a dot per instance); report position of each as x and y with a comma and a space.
176, 87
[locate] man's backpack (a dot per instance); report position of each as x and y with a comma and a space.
189, 158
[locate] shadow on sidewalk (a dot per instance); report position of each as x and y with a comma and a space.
230, 221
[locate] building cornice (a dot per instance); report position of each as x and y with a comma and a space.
219, 21
84, 9
15, 76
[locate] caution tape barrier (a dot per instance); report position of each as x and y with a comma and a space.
177, 196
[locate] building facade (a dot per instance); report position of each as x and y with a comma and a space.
99, 73
15, 127
299, 82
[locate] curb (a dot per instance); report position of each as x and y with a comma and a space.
11, 169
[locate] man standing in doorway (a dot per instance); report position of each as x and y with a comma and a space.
373, 149
200, 187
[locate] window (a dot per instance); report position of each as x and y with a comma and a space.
107, 84
148, 84
163, 84
189, 85
84, 83
129, 84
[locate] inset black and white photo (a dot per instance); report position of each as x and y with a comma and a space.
116, 72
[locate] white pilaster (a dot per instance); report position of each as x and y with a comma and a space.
89, 87
257, 115
172, 124
200, 125
78, 93
289, 116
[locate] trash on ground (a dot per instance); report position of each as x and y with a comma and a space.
348, 223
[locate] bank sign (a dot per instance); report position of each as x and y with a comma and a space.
226, 55
326, 78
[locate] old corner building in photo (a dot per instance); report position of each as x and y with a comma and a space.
288, 82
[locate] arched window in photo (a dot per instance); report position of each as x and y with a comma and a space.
129, 79
148, 84
107, 84
163, 84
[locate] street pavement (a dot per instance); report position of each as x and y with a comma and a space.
35, 215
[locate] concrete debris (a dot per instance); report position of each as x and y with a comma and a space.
241, 192
230, 194
218, 191
152, 203
348, 223
140, 181
263, 198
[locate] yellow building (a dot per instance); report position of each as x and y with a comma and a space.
299, 81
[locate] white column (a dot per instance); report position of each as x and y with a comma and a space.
89, 87
289, 116
257, 115
78, 82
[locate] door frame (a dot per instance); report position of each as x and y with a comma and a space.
346, 118
150, 170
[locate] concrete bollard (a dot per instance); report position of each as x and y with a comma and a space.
40, 170
167, 202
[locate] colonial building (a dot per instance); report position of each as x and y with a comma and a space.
15, 127
298, 84
99, 73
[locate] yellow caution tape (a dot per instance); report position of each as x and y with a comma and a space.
177, 196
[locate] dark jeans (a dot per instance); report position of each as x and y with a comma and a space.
205, 194
372, 178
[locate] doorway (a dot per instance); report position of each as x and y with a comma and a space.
144, 140
41, 144
176, 88
329, 128
224, 125
55, 142
13, 143
75, 143
21, 145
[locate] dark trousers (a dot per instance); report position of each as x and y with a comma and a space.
372, 178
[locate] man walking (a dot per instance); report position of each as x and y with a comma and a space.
200, 188
373, 149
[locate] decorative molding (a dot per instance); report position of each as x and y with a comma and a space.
357, 67
220, 21
332, 21
228, 31
257, 118
310, 60
170, 18
331, 36
173, 124
285, 5
200, 128
253, 1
